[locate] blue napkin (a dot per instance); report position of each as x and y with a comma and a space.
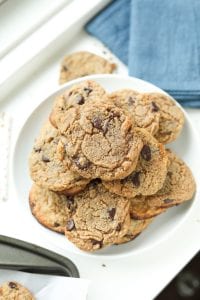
159, 40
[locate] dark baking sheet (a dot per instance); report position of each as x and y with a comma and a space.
22, 256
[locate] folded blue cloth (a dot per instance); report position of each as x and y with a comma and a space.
159, 40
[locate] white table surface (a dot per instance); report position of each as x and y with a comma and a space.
140, 276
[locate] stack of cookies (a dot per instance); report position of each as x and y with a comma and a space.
100, 168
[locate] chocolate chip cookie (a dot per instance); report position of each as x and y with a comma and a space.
150, 172
145, 112
12, 290
50, 209
102, 142
141, 208
47, 167
136, 227
100, 218
84, 63
66, 105
171, 117
178, 187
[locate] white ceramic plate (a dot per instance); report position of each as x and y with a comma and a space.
186, 146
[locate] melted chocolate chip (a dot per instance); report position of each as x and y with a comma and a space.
80, 99
155, 107
146, 153
95, 182
131, 100
70, 225
95, 242
169, 174
111, 212
45, 158
37, 149
82, 166
119, 227
70, 203
65, 68
12, 285
87, 91
56, 224
135, 178
70, 93
97, 123
168, 201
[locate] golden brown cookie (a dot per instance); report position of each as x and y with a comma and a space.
142, 209
65, 107
150, 172
84, 63
47, 167
50, 209
144, 111
12, 290
102, 142
178, 187
136, 227
100, 218
171, 117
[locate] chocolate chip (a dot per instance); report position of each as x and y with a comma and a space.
168, 201
169, 174
146, 153
65, 68
70, 203
97, 123
131, 100
119, 227
56, 224
82, 166
111, 212
70, 225
12, 285
37, 149
70, 93
135, 178
95, 182
95, 242
80, 99
87, 91
155, 107
45, 158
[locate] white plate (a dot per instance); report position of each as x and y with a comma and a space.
186, 146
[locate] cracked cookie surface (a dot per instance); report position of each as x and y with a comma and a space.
13, 290
66, 105
50, 209
47, 167
84, 63
144, 111
100, 218
171, 117
149, 174
102, 142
